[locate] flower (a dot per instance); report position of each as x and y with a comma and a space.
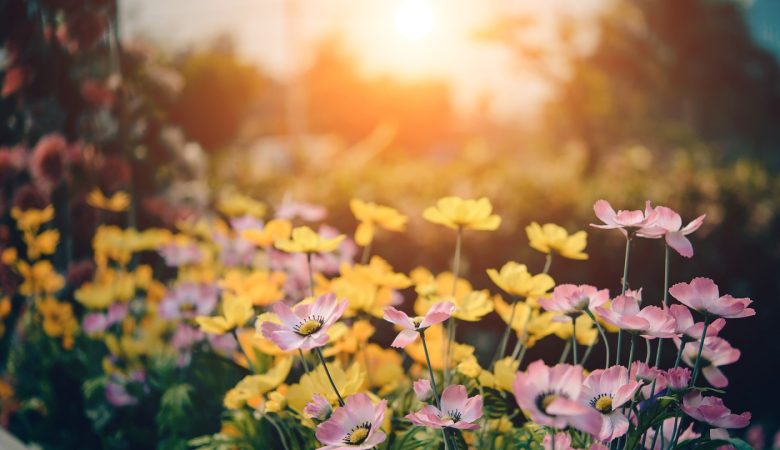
457, 213
45, 243
667, 428
318, 408
349, 381
32, 219
58, 320
716, 352
237, 205
263, 288
422, 389
622, 220
436, 341
712, 411
254, 386
354, 425
470, 305
290, 209
514, 279
678, 378
549, 237
274, 230
684, 324
40, 278
650, 321
606, 391
118, 202
571, 300
411, 327
647, 375
370, 215
306, 326
549, 396
702, 295
561, 441
236, 310
306, 240
187, 300
48, 162
668, 224
458, 410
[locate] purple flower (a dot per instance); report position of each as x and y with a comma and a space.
188, 300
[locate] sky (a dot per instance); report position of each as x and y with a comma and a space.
279, 35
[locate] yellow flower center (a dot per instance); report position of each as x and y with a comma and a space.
547, 399
603, 404
309, 327
357, 436
417, 320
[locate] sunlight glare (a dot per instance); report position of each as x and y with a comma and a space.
414, 19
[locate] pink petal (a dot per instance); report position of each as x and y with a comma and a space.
453, 397
715, 377
404, 338
680, 243
605, 212
694, 225
438, 313
399, 318
286, 315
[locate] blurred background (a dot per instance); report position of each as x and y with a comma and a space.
543, 107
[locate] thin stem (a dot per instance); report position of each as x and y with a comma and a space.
697, 364
588, 351
433, 385
603, 336
278, 430
366, 253
574, 341
518, 346
327, 372
683, 341
648, 350
631, 351
451, 321
521, 356
505, 338
311, 275
623, 291
547, 263
666, 301
303, 360
565, 352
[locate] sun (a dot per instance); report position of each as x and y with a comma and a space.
414, 19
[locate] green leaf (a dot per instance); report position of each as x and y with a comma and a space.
497, 404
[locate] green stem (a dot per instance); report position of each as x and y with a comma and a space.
433, 385
303, 361
648, 350
311, 274
697, 364
623, 292
565, 352
603, 336
547, 263
666, 301
366, 253
327, 372
278, 430
631, 350
505, 338
451, 321
574, 341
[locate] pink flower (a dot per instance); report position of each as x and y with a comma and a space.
667, 428
650, 322
176, 255
549, 396
678, 378
457, 410
684, 323
702, 295
668, 224
48, 163
571, 300
715, 353
353, 426
290, 209
422, 389
412, 327
94, 323
561, 441
187, 300
634, 220
306, 326
606, 391
712, 411
645, 374
318, 408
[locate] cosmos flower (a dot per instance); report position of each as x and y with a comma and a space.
678, 378
667, 428
354, 426
318, 408
370, 215
702, 295
306, 240
551, 237
622, 219
306, 326
187, 300
458, 410
684, 324
411, 327
570, 300
647, 375
117, 202
422, 389
606, 391
236, 310
515, 279
667, 223
712, 411
715, 353
649, 322
458, 213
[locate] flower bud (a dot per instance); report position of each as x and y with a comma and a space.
678, 378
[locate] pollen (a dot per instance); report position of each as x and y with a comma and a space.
309, 327
603, 404
357, 436
547, 399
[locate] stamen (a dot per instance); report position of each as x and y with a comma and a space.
358, 434
309, 326
602, 403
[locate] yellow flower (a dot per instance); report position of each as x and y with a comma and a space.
9, 256
377, 272
514, 279
550, 236
469, 367
236, 310
504, 373
32, 219
348, 382
348, 339
370, 215
436, 341
306, 240
108, 286
385, 367
455, 213
118, 202
58, 320
262, 288
238, 205
259, 341
277, 400
44, 243
470, 305
540, 326
257, 385
40, 278
523, 313
273, 231
583, 326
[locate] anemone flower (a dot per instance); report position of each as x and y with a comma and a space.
702, 295
606, 391
668, 224
667, 428
650, 322
647, 375
549, 396
684, 324
622, 220
412, 326
306, 326
678, 378
458, 410
712, 411
571, 300
354, 426
716, 352
318, 408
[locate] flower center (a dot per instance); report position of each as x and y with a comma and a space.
453, 415
358, 434
544, 399
602, 403
417, 321
309, 326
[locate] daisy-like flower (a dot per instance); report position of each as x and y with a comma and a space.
354, 426
549, 396
188, 300
622, 220
458, 410
647, 375
702, 295
458, 213
372, 216
318, 408
236, 310
270, 232
570, 300
515, 279
306, 240
649, 322
551, 237
668, 224
712, 411
684, 324
716, 352
118, 202
412, 326
306, 326
422, 389
667, 428
606, 391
